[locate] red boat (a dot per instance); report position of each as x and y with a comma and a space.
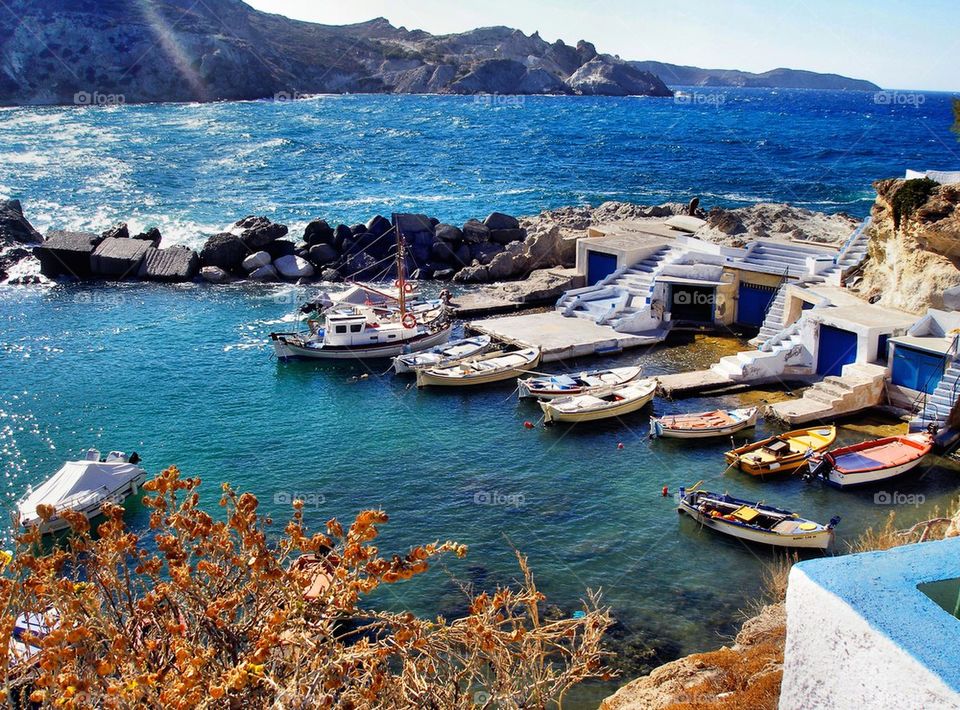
871, 461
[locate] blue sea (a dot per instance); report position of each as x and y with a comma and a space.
183, 374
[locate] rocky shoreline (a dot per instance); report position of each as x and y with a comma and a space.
499, 248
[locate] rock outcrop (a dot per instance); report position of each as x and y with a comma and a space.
174, 264
224, 49
116, 258
16, 235
914, 248
677, 75
67, 254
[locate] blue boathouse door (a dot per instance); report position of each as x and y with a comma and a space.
837, 348
752, 303
599, 266
916, 369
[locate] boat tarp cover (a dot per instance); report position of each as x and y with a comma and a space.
78, 477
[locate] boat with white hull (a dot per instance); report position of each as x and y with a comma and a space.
754, 522
703, 425
616, 402
591, 382
871, 461
83, 486
481, 370
442, 355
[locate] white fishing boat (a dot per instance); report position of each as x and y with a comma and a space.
754, 522
616, 402
871, 461
442, 355
368, 331
83, 486
703, 425
481, 370
554, 386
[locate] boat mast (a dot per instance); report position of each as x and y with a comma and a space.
401, 278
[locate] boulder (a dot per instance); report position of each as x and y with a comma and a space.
267, 272
358, 229
499, 220
318, 232
475, 232
725, 221
258, 232
951, 299
378, 226
225, 251
256, 260
484, 253
67, 254
341, 233
360, 266
281, 247
293, 267
331, 274
116, 258
120, 231
444, 251
14, 227
215, 275
321, 254
506, 236
449, 233
473, 275
171, 265
444, 274
152, 235
501, 267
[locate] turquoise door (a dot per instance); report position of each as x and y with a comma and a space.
837, 348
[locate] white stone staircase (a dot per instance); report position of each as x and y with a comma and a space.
851, 255
935, 408
623, 299
858, 387
773, 321
782, 351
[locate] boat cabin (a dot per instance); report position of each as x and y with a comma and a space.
353, 329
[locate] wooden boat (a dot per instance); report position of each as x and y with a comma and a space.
617, 401
871, 461
442, 355
553, 386
703, 425
487, 368
318, 571
782, 453
754, 522
352, 331
83, 486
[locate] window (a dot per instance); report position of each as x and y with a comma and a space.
341, 329
355, 328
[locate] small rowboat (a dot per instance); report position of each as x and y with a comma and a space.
871, 461
782, 453
619, 400
754, 522
448, 354
487, 368
553, 386
703, 425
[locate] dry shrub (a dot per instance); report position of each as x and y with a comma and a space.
210, 613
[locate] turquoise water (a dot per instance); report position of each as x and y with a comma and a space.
184, 376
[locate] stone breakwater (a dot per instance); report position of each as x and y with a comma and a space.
496, 249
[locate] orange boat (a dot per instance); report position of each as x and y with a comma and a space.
871, 461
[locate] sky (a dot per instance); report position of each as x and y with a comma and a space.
894, 43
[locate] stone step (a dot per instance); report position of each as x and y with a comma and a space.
832, 390
820, 396
838, 382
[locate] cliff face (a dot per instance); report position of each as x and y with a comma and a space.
677, 75
96, 51
914, 248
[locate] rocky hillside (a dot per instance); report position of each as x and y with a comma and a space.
914, 249
678, 75
99, 51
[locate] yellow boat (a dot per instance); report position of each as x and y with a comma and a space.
783, 453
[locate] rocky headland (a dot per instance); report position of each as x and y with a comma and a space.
91, 52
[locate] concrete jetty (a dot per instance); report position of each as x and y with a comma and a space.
562, 338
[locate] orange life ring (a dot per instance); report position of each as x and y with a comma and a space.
409, 321
407, 286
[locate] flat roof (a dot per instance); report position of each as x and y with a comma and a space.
930, 343
864, 314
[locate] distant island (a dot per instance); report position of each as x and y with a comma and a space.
94, 52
